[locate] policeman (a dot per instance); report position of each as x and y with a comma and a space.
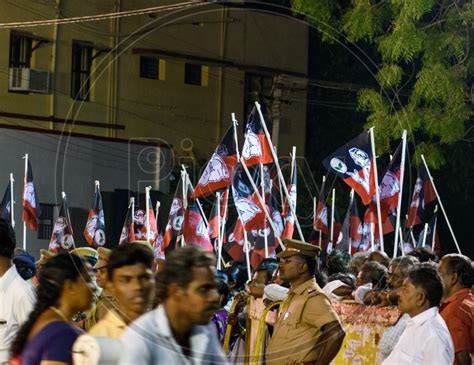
307, 331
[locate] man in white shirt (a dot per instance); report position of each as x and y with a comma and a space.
426, 339
17, 296
178, 331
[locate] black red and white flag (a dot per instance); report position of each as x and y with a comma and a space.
351, 229
173, 230
31, 209
429, 236
320, 219
389, 187
194, 228
423, 194
128, 230
248, 207
218, 172
256, 149
94, 231
287, 213
62, 238
353, 162
213, 228
6, 205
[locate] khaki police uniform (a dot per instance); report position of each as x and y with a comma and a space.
301, 317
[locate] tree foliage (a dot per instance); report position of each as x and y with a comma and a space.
425, 76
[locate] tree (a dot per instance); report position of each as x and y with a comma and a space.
425, 71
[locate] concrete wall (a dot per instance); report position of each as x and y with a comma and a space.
72, 165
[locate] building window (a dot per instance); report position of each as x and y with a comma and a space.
196, 74
20, 51
149, 68
46, 221
81, 71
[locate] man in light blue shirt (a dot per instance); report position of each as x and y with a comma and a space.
178, 330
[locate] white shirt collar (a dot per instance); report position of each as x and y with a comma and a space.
421, 318
7, 278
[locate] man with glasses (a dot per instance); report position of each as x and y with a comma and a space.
307, 331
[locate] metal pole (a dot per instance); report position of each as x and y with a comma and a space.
377, 195
400, 193
441, 204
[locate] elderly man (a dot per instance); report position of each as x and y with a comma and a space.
178, 330
426, 339
17, 297
457, 308
307, 330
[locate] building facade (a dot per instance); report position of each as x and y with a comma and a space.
161, 76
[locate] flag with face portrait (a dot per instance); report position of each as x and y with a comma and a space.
194, 227
128, 229
320, 219
423, 194
353, 162
94, 231
31, 210
173, 230
6, 205
62, 238
389, 188
247, 204
256, 149
218, 172
213, 228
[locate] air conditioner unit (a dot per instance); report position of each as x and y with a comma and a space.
26, 79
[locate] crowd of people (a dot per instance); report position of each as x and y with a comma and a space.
124, 305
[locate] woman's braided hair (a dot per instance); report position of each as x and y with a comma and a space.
52, 278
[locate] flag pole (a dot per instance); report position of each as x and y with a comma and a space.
147, 207
280, 175
351, 201
402, 250
267, 214
219, 243
26, 179
222, 230
247, 251
280, 190
377, 195
441, 204
425, 233
333, 203
235, 123
157, 210
400, 193
433, 240
262, 185
12, 202
185, 201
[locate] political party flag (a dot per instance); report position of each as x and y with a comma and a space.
389, 188
423, 194
353, 162
432, 239
213, 228
173, 230
246, 203
256, 149
31, 209
94, 231
218, 172
320, 219
128, 229
194, 227
6, 205
62, 238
